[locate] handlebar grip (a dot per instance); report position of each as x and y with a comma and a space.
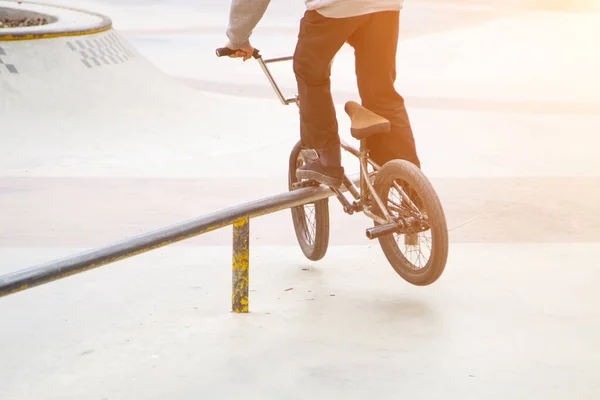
226, 51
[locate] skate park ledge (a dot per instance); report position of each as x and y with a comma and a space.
61, 21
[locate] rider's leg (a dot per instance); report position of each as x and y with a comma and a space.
375, 45
319, 40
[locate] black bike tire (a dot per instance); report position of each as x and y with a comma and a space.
318, 249
415, 178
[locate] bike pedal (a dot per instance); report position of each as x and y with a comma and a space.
305, 184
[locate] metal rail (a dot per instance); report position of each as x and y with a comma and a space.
238, 216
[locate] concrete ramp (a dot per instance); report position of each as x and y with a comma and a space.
94, 88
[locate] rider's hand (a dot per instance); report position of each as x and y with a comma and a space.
244, 52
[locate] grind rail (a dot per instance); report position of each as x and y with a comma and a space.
238, 216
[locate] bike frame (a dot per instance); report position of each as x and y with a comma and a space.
363, 194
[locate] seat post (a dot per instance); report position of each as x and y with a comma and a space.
364, 153
363, 147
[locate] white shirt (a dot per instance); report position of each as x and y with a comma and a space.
352, 8
245, 14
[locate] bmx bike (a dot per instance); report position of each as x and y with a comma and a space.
411, 216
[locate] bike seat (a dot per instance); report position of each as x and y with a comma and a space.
364, 122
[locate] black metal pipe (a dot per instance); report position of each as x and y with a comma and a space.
382, 230
40, 274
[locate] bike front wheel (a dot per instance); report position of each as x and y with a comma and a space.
311, 221
418, 255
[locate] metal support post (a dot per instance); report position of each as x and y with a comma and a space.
241, 265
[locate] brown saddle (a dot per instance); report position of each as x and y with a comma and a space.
364, 122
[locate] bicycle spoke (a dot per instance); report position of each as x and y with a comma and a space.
400, 203
307, 212
312, 222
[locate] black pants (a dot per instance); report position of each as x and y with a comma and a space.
374, 38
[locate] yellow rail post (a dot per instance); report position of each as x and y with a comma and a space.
241, 266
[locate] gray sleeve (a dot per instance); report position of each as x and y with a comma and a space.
244, 15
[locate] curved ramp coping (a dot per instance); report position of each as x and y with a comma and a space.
62, 21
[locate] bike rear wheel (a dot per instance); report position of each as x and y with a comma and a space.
400, 185
311, 221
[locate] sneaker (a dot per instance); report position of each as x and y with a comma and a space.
329, 176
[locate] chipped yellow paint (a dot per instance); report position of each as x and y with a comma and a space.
240, 266
8, 37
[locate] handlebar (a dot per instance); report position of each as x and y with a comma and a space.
225, 51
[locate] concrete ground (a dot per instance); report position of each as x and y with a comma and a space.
505, 103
